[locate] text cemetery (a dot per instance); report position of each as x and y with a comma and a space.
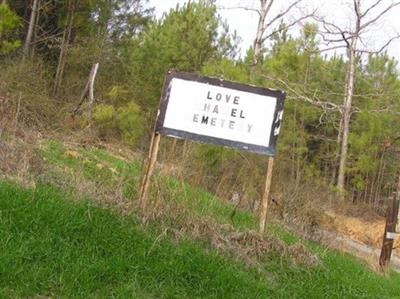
224, 117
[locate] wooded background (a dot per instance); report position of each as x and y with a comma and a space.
340, 138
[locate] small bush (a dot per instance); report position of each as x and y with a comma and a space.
103, 116
130, 123
8, 23
126, 121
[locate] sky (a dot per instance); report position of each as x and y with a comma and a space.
337, 11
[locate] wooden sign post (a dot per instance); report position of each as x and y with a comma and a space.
151, 161
391, 230
220, 112
265, 197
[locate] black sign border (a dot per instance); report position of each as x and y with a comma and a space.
181, 134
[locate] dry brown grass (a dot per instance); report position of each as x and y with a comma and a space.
17, 156
25, 92
248, 246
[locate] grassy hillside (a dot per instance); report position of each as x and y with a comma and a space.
77, 233
58, 248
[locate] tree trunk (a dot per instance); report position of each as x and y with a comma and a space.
381, 171
29, 34
35, 34
64, 48
88, 90
348, 98
91, 91
261, 27
337, 152
346, 116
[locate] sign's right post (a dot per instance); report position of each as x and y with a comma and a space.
265, 197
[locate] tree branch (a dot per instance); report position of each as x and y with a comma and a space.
381, 48
332, 48
370, 8
286, 27
281, 14
380, 15
240, 7
327, 106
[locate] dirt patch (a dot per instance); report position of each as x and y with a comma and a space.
369, 232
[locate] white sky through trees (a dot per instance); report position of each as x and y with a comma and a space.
338, 11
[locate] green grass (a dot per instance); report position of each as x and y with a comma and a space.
205, 204
95, 165
53, 246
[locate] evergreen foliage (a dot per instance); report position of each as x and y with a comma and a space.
9, 21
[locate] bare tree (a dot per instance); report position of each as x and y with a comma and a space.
267, 22
261, 28
351, 38
29, 35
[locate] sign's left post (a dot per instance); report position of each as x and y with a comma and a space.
151, 162
152, 156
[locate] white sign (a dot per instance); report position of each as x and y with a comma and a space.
221, 112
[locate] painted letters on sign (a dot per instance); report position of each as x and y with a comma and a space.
220, 112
